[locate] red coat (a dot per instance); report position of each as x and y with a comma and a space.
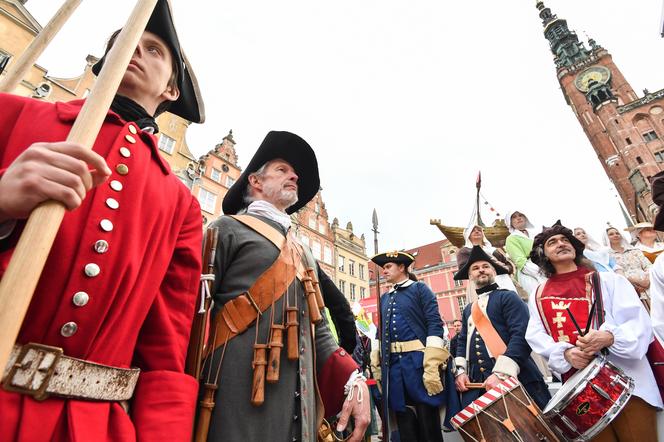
141, 303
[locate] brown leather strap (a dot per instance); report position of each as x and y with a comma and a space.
491, 337
240, 312
270, 233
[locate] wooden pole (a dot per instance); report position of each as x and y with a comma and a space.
23, 64
29, 257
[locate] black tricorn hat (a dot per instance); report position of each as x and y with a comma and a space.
189, 104
478, 254
290, 148
537, 253
396, 257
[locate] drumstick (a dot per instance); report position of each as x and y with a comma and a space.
574, 321
590, 317
474, 385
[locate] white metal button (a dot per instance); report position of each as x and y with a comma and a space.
69, 329
125, 152
92, 270
101, 246
112, 203
116, 185
106, 225
80, 299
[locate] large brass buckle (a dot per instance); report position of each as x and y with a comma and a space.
35, 364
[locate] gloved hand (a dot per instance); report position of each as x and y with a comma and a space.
375, 364
434, 357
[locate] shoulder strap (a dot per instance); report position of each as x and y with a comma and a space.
262, 228
491, 337
599, 301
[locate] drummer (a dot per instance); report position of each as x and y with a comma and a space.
624, 328
481, 358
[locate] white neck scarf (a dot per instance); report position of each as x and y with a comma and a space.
267, 210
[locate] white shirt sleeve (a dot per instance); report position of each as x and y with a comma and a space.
542, 343
626, 317
657, 297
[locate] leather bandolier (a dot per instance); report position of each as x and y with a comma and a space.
238, 314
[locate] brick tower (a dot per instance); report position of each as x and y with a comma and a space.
626, 131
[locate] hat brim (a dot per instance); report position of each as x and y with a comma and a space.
290, 148
478, 254
401, 258
189, 104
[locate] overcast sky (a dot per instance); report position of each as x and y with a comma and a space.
403, 101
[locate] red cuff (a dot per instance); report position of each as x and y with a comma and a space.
164, 406
332, 378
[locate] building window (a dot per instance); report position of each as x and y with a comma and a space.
659, 156
462, 302
352, 292
166, 143
341, 262
458, 283
321, 228
363, 292
317, 207
649, 136
215, 175
360, 269
4, 60
639, 160
315, 248
628, 140
304, 240
327, 254
207, 199
342, 286
312, 223
351, 267
229, 181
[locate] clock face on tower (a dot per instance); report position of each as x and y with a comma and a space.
598, 74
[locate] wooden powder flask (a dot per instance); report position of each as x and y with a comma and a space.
310, 293
276, 343
258, 382
319, 295
206, 405
292, 326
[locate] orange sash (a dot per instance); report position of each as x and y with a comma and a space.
491, 337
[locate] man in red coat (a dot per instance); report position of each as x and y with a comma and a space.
117, 295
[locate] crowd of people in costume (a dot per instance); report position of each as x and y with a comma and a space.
104, 351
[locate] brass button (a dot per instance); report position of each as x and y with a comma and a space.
106, 225
132, 129
92, 270
130, 139
478, 353
482, 369
122, 169
125, 152
116, 185
480, 361
101, 246
69, 329
80, 299
112, 203
477, 346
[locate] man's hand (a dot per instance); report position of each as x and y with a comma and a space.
461, 382
491, 382
49, 171
578, 358
594, 341
357, 405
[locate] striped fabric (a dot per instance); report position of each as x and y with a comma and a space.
484, 401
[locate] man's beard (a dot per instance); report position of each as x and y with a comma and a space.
479, 284
284, 198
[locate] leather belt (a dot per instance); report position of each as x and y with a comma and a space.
41, 370
406, 346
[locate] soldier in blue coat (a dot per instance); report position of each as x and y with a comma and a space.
413, 350
508, 315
